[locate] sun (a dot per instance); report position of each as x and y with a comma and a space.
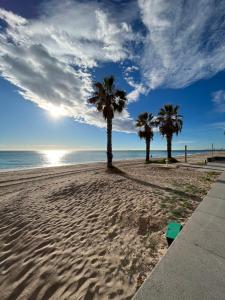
56, 112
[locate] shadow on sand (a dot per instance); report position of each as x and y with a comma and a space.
118, 171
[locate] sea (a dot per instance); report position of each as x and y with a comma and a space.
19, 160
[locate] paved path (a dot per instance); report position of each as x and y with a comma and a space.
194, 266
214, 166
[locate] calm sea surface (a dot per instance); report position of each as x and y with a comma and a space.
10, 160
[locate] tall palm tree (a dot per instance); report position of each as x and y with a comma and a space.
169, 122
108, 100
146, 122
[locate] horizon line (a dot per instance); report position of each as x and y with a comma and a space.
66, 149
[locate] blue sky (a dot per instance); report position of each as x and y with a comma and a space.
159, 51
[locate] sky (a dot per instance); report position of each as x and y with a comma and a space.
51, 53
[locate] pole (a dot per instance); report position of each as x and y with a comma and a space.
185, 153
212, 150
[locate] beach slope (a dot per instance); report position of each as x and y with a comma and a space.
81, 232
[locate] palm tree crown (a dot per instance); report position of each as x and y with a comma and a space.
107, 99
169, 121
146, 122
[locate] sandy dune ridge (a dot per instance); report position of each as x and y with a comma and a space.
80, 232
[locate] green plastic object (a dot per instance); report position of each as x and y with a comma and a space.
172, 230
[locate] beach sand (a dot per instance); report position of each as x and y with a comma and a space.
81, 232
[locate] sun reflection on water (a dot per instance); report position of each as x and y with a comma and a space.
54, 157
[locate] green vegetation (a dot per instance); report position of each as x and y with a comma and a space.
210, 176
172, 160
162, 161
212, 173
157, 161
177, 212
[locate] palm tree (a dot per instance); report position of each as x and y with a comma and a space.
169, 122
108, 100
146, 122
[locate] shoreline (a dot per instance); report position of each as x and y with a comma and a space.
192, 155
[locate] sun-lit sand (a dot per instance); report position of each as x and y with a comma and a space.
80, 232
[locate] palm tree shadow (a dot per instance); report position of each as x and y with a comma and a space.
155, 186
115, 170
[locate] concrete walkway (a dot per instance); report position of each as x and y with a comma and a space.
214, 166
194, 265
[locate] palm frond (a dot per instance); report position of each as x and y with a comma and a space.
119, 105
111, 80
108, 83
98, 85
120, 94
169, 121
142, 134
107, 99
146, 121
142, 119
108, 112
93, 100
99, 106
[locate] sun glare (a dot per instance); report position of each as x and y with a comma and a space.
56, 112
54, 157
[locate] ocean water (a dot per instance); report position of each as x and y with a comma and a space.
16, 160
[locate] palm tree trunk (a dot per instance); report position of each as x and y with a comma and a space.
109, 143
147, 149
169, 146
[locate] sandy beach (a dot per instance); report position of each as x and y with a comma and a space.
81, 232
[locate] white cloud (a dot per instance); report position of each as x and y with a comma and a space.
218, 99
50, 59
139, 88
185, 41
134, 95
131, 69
12, 19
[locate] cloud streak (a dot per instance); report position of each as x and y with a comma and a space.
50, 59
185, 41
